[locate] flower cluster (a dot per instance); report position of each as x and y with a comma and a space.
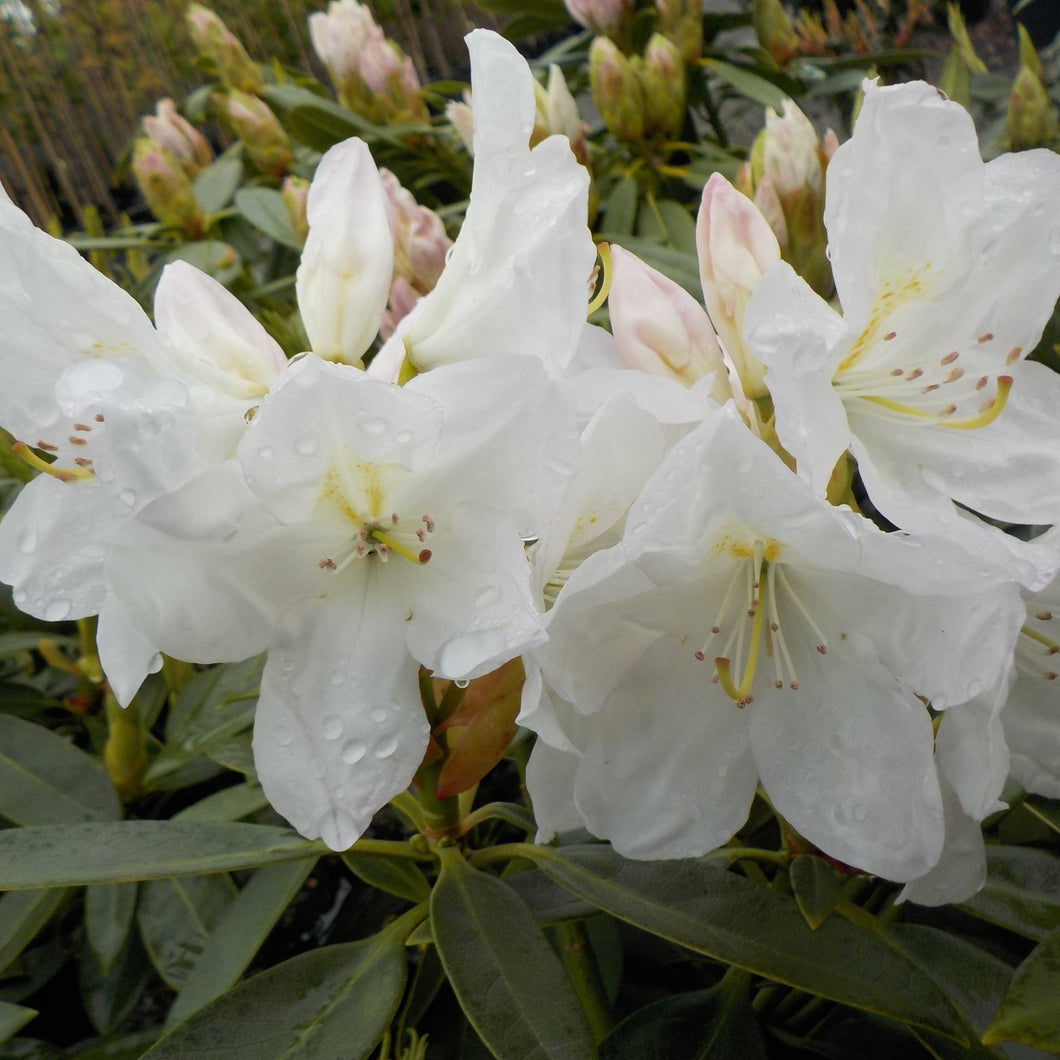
664, 521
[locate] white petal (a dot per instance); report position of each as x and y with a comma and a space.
1031, 720
972, 754
126, 654
344, 279
214, 336
961, 869
847, 759
339, 729
550, 781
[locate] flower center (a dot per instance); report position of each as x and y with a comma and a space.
78, 440
749, 618
375, 539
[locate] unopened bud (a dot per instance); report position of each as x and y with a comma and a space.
1031, 118
295, 192
681, 21
557, 113
420, 240
616, 91
736, 247
659, 327
166, 188
214, 41
663, 84
601, 16
254, 123
775, 30
462, 120
179, 136
391, 79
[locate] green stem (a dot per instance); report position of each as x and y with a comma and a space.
504, 852
505, 811
576, 954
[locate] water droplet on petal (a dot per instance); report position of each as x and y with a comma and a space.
859, 812
385, 747
332, 727
378, 715
373, 426
338, 830
306, 445
353, 752
266, 451
19, 596
488, 596
284, 736
338, 677
461, 683
27, 542
57, 610
127, 497
403, 437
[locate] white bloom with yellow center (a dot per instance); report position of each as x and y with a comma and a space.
746, 631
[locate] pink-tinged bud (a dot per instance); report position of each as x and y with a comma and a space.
166, 188
663, 82
557, 113
253, 122
1031, 118
462, 120
736, 247
767, 200
660, 328
601, 16
681, 21
403, 296
372, 76
775, 30
420, 240
616, 91
179, 136
790, 152
215, 42
295, 192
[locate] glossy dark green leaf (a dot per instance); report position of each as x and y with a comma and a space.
110, 996
313, 120
329, 1003
264, 208
237, 935
620, 207
176, 918
75, 854
398, 876
109, 909
1022, 891
547, 901
749, 84
1030, 1010
215, 185
45, 779
716, 1024
508, 980
229, 804
22, 915
12, 1019
816, 887
736, 921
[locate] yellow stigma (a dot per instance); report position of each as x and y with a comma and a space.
740, 693
989, 412
63, 474
604, 250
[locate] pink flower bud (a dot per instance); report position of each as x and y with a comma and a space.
166, 187
601, 16
179, 136
736, 246
295, 192
251, 119
214, 41
617, 92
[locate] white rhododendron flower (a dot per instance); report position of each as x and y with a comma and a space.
745, 630
947, 270
390, 521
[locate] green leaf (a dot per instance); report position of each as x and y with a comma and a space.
264, 208
508, 980
715, 1024
397, 876
315, 121
749, 84
328, 1003
1022, 891
620, 207
667, 221
109, 909
22, 915
45, 779
176, 918
212, 256
699, 905
76, 854
229, 804
238, 935
816, 888
12, 1019
110, 996
215, 185
1030, 1010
